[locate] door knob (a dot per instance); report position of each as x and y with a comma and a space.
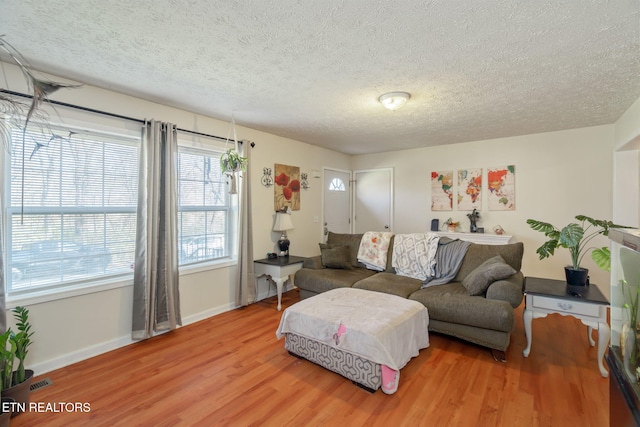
386, 227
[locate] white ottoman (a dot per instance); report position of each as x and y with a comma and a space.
363, 335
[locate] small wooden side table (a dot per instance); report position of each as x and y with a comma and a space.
279, 270
586, 303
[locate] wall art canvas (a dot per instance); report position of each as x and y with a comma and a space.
442, 191
469, 189
287, 187
502, 188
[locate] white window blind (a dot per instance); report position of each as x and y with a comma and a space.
204, 225
75, 221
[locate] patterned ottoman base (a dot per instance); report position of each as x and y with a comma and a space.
363, 372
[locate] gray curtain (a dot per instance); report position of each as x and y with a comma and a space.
156, 298
245, 286
3, 307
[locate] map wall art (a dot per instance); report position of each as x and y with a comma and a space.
502, 188
469, 189
287, 187
442, 191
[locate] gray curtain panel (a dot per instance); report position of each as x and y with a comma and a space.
156, 297
3, 307
245, 286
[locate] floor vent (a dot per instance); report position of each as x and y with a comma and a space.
41, 384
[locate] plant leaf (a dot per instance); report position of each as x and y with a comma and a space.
602, 258
571, 235
547, 248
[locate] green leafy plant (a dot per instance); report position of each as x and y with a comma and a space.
7, 357
14, 347
576, 238
231, 161
22, 341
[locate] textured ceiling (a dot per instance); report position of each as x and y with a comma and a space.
313, 70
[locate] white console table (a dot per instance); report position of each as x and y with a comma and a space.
279, 270
481, 238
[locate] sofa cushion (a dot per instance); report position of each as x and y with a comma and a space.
477, 254
485, 274
325, 279
350, 240
451, 303
390, 284
335, 256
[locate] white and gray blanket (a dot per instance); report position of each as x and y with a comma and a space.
414, 255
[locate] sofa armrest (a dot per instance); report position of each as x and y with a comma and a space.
510, 290
314, 263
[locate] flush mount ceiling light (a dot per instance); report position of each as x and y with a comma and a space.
394, 100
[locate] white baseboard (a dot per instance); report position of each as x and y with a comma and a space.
98, 349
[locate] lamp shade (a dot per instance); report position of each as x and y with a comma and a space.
283, 222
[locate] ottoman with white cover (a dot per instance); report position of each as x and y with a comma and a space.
363, 335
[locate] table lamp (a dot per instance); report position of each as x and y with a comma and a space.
283, 223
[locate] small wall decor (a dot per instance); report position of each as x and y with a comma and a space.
502, 188
470, 189
303, 181
442, 191
287, 188
266, 180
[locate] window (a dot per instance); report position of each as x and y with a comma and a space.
73, 224
203, 207
74, 219
336, 184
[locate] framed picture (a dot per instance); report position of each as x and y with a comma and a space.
286, 188
501, 183
469, 189
442, 191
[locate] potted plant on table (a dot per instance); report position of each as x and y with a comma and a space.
576, 238
16, 383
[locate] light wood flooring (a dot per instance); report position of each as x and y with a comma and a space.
231, 370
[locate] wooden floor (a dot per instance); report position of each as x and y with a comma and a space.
231, 370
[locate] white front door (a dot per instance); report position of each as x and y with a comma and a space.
337, 201
373, 196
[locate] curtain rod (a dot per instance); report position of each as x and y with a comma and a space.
117, 116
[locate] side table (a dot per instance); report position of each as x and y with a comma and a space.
279, 270
585, 303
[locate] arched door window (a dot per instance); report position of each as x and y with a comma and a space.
336, 184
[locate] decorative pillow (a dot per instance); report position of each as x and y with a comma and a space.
336, 256
478, 281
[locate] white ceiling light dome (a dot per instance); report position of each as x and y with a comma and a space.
394, 100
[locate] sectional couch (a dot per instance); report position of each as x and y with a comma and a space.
484, 316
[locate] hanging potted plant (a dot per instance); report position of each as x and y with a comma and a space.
232, 162
576, 238
16, 383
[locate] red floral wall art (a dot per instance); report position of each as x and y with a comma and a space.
287, 187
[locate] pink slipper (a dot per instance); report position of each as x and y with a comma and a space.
390, 379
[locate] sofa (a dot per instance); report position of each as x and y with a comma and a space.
484, 316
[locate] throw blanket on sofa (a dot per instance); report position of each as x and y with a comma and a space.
414, 255
373, 249
448, 261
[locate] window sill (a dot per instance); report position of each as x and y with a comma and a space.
43, 296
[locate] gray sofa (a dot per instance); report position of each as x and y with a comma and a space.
486, 319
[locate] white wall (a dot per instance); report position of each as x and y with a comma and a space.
626, 185
558, 176
72, 329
